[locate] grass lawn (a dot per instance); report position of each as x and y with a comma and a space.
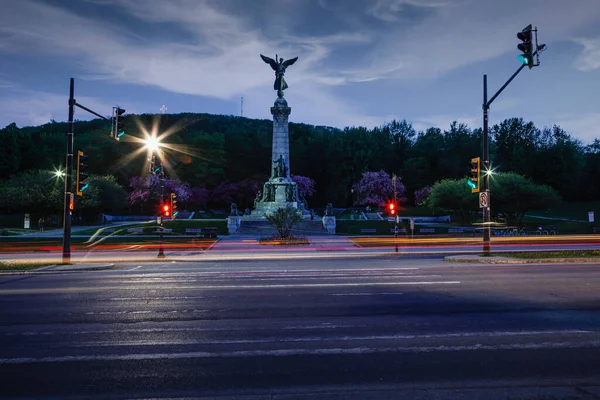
23, 266
293, 241
553, 254
576, 211
149, 228
378, 241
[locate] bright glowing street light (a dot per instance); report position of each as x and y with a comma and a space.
58, 173
152, 143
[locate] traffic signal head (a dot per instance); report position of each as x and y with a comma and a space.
392, 208
174, 205
166, 210
526, 47
474, 175
119, 123
81, 166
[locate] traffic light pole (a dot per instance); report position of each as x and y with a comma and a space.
161, 249
66, 250
486, 158
395, 216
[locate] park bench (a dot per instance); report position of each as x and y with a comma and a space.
426, 230
135, 230
165, 230
193, 230
210, 232
368, 230
451, 230
400, 230
108, 230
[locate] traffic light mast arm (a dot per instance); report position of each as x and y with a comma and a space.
489, 102
90, 111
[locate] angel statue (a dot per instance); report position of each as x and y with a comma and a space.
279, 67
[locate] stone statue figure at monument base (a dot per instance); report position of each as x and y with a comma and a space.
329, 210
279, 170
279, 67
234, 209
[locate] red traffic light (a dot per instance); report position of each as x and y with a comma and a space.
166, 210
392, 208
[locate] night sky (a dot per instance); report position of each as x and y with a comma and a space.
361, 62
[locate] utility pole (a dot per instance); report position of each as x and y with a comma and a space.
66, 249
161, 248
395, 216
527, 60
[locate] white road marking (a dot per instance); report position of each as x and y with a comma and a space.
221, 287
299, 352
154, 298
308, 339
159, 330
365, 294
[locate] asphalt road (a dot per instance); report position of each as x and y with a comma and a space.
244, 248
280, 329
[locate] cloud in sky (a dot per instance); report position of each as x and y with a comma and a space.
590, 55
354, 57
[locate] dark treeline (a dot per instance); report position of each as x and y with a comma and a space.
211, 149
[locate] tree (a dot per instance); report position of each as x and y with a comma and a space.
513, 195
103, 195
198, 198
376, 189
9, 148
146, 191
454, 196
224, 194
305, 185
421, 195
284, 220
38, 192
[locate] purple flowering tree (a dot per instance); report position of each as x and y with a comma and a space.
146, 191
305, 185
242, 193
199, 197
421, 195
224, 194
377, 188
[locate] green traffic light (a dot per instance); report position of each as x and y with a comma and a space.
471, 184
523, 59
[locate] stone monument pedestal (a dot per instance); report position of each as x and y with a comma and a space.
279, 191
329, 224
233, 224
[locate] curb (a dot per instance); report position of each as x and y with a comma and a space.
506, 260
58, 269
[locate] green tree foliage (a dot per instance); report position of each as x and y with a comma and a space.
10, 162
37, 192
103, 195
512, 195
210, 150
453, 196
284, 220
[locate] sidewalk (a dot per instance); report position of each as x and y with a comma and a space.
248, 245
478, 259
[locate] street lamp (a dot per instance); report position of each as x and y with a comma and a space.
153, 146
59, 173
